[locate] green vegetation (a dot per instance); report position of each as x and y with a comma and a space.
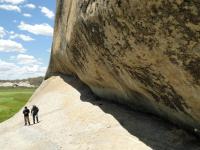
12, 100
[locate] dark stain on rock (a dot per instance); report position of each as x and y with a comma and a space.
182, 14
59, 12
190, 62
77, 58
156, 85
95, 32
84, 5
79, 49
194, 68
119, 2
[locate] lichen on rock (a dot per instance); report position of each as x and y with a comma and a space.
144, 54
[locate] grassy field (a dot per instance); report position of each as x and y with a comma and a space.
12, 100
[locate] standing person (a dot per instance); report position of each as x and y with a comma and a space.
34, 112
26, 112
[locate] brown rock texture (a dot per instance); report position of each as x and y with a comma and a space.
142, 53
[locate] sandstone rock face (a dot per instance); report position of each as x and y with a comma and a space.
72, 118
145, 54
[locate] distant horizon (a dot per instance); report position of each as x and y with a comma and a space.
22, 78
26, 34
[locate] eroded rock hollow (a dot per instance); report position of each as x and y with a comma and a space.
142, 53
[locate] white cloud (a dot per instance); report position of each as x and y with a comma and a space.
10, 8
5, 66
11, 46
31, 6
2, 32
27, 15
48, 13
12, 71
22, 37
12, 32
15, 2
27, 59
37, 29
13, 35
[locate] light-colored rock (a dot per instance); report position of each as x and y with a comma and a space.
71, 118
6, 84
25, 84
145, 54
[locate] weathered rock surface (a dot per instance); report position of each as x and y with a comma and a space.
72, 118
145, 54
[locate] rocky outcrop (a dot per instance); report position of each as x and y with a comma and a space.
72, 118
145, 54
15, 84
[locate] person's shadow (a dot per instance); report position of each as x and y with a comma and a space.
151, 130
32, 124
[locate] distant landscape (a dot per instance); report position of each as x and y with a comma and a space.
14, 94
29, 82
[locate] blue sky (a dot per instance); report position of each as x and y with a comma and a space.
26, 32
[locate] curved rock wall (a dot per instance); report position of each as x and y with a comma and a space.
145, 54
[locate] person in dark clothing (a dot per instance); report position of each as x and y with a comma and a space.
34, 112
26, 112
